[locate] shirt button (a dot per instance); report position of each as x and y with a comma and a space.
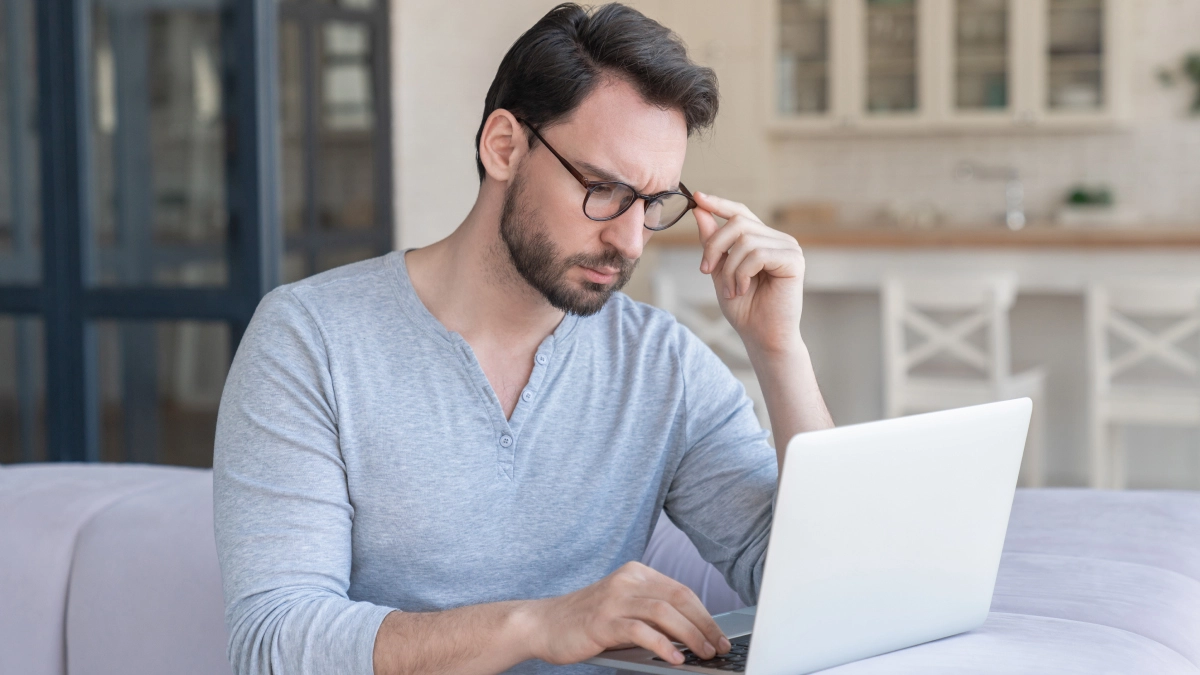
506, 440
541, 359
527, 396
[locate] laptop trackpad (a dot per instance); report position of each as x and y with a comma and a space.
736, 623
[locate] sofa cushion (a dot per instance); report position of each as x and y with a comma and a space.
145, 591
43, 507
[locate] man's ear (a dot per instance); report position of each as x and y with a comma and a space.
502, 145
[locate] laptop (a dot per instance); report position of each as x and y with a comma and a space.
885, 535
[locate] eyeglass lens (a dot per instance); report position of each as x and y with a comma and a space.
609, 199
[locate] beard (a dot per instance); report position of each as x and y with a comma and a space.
537, 260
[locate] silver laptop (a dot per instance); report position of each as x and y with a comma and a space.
885, 535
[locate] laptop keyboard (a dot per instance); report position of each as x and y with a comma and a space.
734, 661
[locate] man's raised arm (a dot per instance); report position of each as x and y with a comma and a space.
758, 274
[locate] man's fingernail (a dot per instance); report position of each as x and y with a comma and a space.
677, 657
725, 646
709, 649
704, 267
699, 194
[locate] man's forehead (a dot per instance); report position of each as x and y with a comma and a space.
624, 135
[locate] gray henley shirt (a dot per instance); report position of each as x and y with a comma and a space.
363, 464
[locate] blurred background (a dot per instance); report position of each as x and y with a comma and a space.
996, 198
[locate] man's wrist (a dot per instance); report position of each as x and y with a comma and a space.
522, 628
787, 349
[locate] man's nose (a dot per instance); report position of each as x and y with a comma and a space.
624, 232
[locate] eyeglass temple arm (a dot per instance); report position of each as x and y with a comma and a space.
578, 176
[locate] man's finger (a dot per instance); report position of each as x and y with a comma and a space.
745, 246
642, 635
667, 619
705, 223
720, 243
684, 600
726, 208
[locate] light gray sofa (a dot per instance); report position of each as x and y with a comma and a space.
111, 569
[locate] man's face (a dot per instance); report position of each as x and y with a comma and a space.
575, 262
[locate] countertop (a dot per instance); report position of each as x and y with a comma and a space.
1035, 235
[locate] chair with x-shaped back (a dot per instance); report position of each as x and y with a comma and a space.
682, 290
1144, 353
946, 345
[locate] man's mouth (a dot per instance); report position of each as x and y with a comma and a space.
600, 275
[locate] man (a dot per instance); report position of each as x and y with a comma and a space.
449, 460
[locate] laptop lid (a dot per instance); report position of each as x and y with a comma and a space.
886, 535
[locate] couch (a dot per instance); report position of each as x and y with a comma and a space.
111, 569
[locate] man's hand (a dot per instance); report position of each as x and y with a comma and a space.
758, 273
634, 605
759, 276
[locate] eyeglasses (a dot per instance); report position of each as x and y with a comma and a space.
607, 199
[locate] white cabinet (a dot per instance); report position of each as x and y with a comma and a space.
942, 65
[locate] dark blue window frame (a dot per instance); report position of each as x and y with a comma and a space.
66, 305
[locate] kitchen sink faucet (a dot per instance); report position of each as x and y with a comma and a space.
1014, 191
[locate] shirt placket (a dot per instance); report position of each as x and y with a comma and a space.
506, 432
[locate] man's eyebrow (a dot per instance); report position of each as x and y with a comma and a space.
606, 175
602, 174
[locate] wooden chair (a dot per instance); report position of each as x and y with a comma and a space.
945, 367
682, 290
1154, 379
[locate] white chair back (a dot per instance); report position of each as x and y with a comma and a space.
1144, 358
911, 304
1120, 310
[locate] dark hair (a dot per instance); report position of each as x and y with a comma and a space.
555, 64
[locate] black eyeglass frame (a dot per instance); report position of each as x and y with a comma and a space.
592, 185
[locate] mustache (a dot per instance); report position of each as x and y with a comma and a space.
610, 258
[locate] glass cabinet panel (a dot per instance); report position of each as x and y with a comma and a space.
981, 67
891, 39
292, 104
158, 146
334, 130
20, 218
1075, 54
22, 390
347, 131
158, 387
803, 60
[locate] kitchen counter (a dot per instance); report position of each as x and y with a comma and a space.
1036, 235
1047, 259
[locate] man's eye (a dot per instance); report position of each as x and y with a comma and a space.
602, 192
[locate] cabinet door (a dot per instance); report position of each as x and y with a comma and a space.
896, 56
1078, 62
803, 61
892, 74
802, 53
1074, 51
980, 60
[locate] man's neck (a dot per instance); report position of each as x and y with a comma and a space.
468, 282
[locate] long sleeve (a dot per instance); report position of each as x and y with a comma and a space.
282, 512
723, 491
